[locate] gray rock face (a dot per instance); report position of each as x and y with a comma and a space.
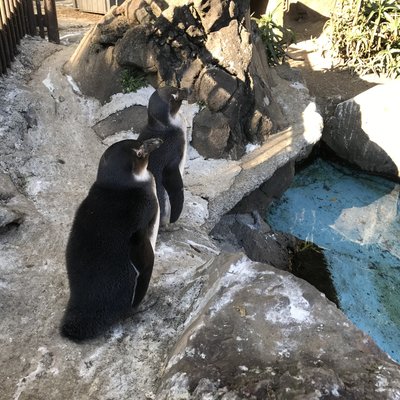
210, 46
210, 134
259, 333
134, 117
364, 130
54, 160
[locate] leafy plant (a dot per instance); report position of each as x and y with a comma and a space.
276, 38
132, 80
365, 35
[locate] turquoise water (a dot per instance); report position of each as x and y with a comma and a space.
355, 218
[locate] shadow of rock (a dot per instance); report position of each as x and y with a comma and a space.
133, 117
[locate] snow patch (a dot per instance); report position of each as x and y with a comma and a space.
238, 275
298, 86
194, 244
123, 135
24, 382
164, 250
251, 147
291, 306
178, 387
73, 84
48, 83
120, 101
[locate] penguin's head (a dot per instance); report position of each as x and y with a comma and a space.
124, 163
164, 105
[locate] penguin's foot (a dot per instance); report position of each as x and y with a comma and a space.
169, 228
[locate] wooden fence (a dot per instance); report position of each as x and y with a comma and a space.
24, 17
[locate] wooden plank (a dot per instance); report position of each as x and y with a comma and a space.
52, 23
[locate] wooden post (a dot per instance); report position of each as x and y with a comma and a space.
11, 27
18, 17
52, 24
39, 18
5, 54
6, 34
30, 17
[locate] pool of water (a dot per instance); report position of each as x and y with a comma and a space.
355, 218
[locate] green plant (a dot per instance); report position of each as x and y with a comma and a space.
365, 35
132, 80
276, 38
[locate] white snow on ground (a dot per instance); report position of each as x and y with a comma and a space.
296, 309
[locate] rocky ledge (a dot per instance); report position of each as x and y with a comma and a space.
213, 325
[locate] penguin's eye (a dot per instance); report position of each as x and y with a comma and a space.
175, 96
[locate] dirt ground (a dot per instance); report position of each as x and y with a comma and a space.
310, 55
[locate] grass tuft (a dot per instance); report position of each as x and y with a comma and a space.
132, 80
365, 36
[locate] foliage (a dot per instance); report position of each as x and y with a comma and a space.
276, 38
132, 80
365, 35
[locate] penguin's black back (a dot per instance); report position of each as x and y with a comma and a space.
107, 247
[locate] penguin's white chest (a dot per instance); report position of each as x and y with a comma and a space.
143, 176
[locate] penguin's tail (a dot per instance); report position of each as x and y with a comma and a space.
78, 326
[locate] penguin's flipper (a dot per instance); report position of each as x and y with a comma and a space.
173, 184
142, 260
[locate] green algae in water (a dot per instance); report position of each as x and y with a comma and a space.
355, 218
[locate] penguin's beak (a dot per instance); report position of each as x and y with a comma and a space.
151, 144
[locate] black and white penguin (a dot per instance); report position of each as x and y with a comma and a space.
168, 161
110, 251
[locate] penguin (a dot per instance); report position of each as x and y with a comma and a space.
110, 250
168, 161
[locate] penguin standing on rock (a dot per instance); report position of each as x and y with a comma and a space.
168, 161
110, 251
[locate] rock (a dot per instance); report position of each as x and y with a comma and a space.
99, 66
210, 134
126, 362
256, 332
362, 131
215, 88
130, 118
250, 234
134, 50
206, 45
261, 198
226, 44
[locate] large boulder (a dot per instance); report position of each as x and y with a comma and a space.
211, 46
364, 130
258, 333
